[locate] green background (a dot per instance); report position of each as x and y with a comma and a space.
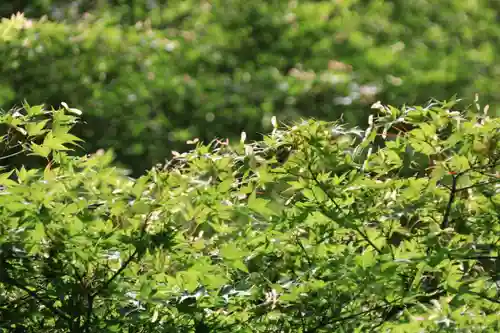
150, 75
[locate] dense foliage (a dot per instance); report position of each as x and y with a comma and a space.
153, 74
320, 227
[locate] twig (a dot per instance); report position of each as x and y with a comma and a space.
344, 318
11, 155
478, 185
491, 299
127, 262
365, 237
315, 178
39, 299
90, 306
118, 272
358, 230
453, 192
309, 262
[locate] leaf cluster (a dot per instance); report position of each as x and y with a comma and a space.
320, 227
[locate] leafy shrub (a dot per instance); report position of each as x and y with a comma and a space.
152, 74
317, 228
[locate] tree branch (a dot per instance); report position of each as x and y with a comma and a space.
299, 242
453, 192
118, 272
491, 299
318, 183
39, 299
315, 178
478, 185
324, 322
90, 306
127, 262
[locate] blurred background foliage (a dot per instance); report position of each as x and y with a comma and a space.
150, 75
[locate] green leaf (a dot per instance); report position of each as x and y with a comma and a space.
259, 205
231, 251
423, 147
5, 181
154, 318
139, 186
35, 129
367, 259
34, 110
54, 143
459, 163
225, 185
393, 158
40, 150
140, 207
240, 265
38, 233
213, 281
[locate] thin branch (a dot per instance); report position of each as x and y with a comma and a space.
78, 276
89, 297
90, 306
345, 318
357, 229
127, 262
365, 237
491, 299
302, 322
118, 272
393, 256
453, 192
497, 180
39, 299
11, 155
487, 174
315, 178
309, 262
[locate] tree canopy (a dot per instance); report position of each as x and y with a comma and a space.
318, 228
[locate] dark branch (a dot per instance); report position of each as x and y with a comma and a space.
356, 228
38, 298
315, 178
491, 299
299, 242
365, 237
127, 262
90, 306
118, 272
453, 192
478, 185
327, 321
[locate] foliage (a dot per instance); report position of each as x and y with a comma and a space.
320, 227
153, 74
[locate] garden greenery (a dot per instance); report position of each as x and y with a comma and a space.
320, 227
